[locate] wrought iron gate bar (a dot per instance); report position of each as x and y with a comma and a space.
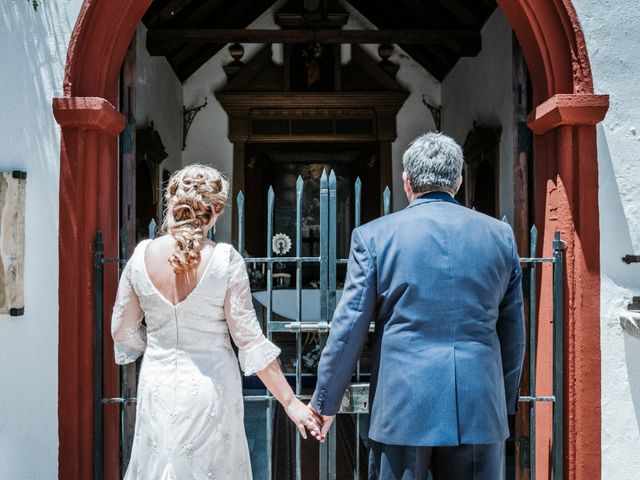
537, 260
268, 260
558, 357
527, 398
299, 196
106, 401
533, 244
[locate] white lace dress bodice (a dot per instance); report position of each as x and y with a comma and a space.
189, 422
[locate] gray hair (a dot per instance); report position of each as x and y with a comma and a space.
433, 161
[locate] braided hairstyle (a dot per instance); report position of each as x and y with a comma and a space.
193, 195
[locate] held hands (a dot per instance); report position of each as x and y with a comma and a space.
326, 421
304, 418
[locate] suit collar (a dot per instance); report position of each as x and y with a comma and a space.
433, 197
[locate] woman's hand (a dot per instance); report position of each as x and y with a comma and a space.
304, 418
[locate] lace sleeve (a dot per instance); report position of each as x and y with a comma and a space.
255, 350
128, 332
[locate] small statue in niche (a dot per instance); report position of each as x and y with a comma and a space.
312, 55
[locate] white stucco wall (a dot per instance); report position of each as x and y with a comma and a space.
479, 89
159, 99
612, 32
33, 54
414, 117
208, 140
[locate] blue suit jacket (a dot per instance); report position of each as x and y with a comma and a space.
443, 285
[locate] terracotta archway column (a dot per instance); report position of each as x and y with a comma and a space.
567, 200
88, 202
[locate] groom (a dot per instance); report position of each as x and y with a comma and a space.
442, 283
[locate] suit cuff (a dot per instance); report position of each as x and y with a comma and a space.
321, 405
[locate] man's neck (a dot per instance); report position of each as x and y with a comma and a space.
415, 196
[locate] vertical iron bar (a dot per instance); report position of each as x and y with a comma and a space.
299, 192
358, 219
558, 356
358, 196
333, 225
270, 205
125, 447
240, 206
532, 352
98, 301
386, 196
324, 286
153, 226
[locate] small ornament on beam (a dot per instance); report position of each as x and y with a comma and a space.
187, 119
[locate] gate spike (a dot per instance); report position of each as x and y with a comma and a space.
240, 216
386, 196
152, 228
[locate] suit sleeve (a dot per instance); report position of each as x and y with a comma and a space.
511, 332
349, 329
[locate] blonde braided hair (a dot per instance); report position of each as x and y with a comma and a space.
193, 195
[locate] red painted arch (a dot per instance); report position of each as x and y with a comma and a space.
566, 198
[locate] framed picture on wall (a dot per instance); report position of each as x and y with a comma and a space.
12, 213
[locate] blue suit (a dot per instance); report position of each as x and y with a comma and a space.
443, 285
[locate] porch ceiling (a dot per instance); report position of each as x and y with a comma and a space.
437, 16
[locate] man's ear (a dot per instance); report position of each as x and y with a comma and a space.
406, 184
458, 184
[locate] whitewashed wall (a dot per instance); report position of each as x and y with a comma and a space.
159, 99
612, 32
414, 117
208, 140
478, 89
32, 58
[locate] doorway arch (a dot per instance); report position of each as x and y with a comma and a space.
564, 123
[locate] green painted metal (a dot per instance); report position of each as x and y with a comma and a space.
558, 357
532, 352
270, 410
386, 201
240, 210
299, 196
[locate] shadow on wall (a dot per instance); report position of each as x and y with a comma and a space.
632, 358
34, 55
34, 46
616, 241
615, 234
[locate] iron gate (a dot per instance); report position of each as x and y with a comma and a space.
355, 401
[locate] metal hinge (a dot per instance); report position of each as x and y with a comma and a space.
525, 451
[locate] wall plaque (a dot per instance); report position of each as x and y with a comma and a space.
12, 211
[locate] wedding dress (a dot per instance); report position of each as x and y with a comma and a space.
189, 423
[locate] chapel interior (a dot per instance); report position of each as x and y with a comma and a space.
273, 92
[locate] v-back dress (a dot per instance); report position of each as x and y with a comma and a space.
189, 423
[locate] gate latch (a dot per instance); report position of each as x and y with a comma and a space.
356, 399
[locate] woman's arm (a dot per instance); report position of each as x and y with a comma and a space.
298, 412
257, 354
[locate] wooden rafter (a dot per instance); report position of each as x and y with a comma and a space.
166, 13
159, 40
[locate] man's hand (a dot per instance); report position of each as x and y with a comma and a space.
327, 420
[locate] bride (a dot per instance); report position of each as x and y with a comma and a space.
192, 293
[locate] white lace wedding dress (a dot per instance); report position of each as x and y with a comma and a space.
189, 423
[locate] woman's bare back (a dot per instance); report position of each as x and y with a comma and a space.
175, 288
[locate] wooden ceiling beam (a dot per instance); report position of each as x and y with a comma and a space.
166, 13
456, 8
384, 15
161, 41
